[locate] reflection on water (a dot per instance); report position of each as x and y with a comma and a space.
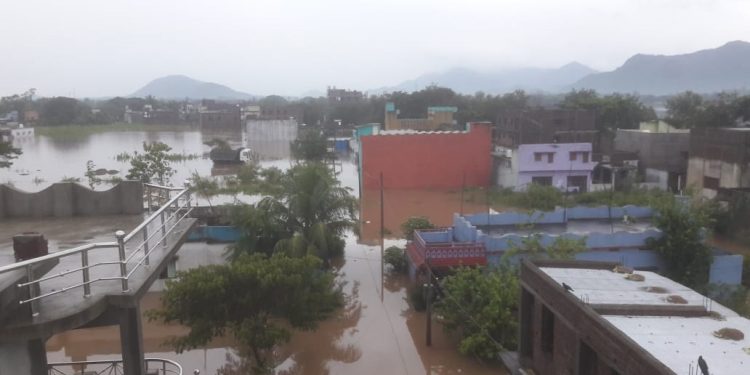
369, 335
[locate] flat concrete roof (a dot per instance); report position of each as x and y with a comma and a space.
676, 341
582, 227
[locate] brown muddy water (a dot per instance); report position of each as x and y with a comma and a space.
369, 335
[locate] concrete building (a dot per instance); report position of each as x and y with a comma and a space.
607, 237
719, 159
549, 126
590, 318
342, 96
566, 166
411, 159
438, 118
662, 153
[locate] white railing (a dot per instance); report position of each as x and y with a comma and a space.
133, 251
157, 366
157, 195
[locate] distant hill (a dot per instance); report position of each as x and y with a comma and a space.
469, 81
706, 71
181, 87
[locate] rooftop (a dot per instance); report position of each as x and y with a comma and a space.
673, 339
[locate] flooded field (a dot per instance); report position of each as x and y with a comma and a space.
369, 335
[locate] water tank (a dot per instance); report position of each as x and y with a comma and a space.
29, 245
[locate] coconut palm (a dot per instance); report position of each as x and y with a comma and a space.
307, 215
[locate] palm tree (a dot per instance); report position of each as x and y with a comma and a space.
307, 215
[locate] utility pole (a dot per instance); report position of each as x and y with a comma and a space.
382, 241
463, 188
428, 310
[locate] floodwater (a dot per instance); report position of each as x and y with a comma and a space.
375, 333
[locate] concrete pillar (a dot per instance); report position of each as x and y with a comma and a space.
131, 341
23, 357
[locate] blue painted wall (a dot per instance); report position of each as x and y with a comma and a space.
214, 234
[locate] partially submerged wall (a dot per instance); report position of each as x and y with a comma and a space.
66, 199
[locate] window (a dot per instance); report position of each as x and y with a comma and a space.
550, 157
585, 156
542, 180
587, 360
573, 155
548, 330
538, 156
711, 183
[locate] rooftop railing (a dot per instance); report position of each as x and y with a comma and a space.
155, 366
127, 254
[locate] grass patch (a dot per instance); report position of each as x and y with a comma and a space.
81, 131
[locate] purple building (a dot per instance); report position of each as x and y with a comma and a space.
563, 165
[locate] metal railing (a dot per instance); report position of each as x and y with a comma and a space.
133, 251
157, 195
156, 366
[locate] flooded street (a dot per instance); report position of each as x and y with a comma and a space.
367, 336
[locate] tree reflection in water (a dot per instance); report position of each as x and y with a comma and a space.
309, 352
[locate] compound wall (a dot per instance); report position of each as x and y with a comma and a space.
70, 199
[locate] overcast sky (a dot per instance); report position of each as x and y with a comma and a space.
113, 47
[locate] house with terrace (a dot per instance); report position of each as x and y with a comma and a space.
611, 234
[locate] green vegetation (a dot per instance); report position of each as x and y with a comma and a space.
7, 154
561, 248
546, 198
152, 165
311, 145
690, 110
82, 131
415, 223
481, 306
256, 300
396, 258
615, 111
686, 256
306, 212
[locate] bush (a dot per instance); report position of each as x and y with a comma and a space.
417, 298
415, 223
396, 258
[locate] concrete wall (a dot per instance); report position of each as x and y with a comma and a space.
271, 130
665, 151
427, 160
726, 269
70, 199
559, 215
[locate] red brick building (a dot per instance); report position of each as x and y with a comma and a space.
426, 160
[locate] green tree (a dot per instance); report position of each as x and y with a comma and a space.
151, 165
684, 110
310, 212
415, 223
481, 306
8, 153
396, 258
561, 248
681, 246
615, 111
91, 175
256, 299
64, 111
311, 145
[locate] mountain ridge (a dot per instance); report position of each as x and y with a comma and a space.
706, 71
468, 81
178, 86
